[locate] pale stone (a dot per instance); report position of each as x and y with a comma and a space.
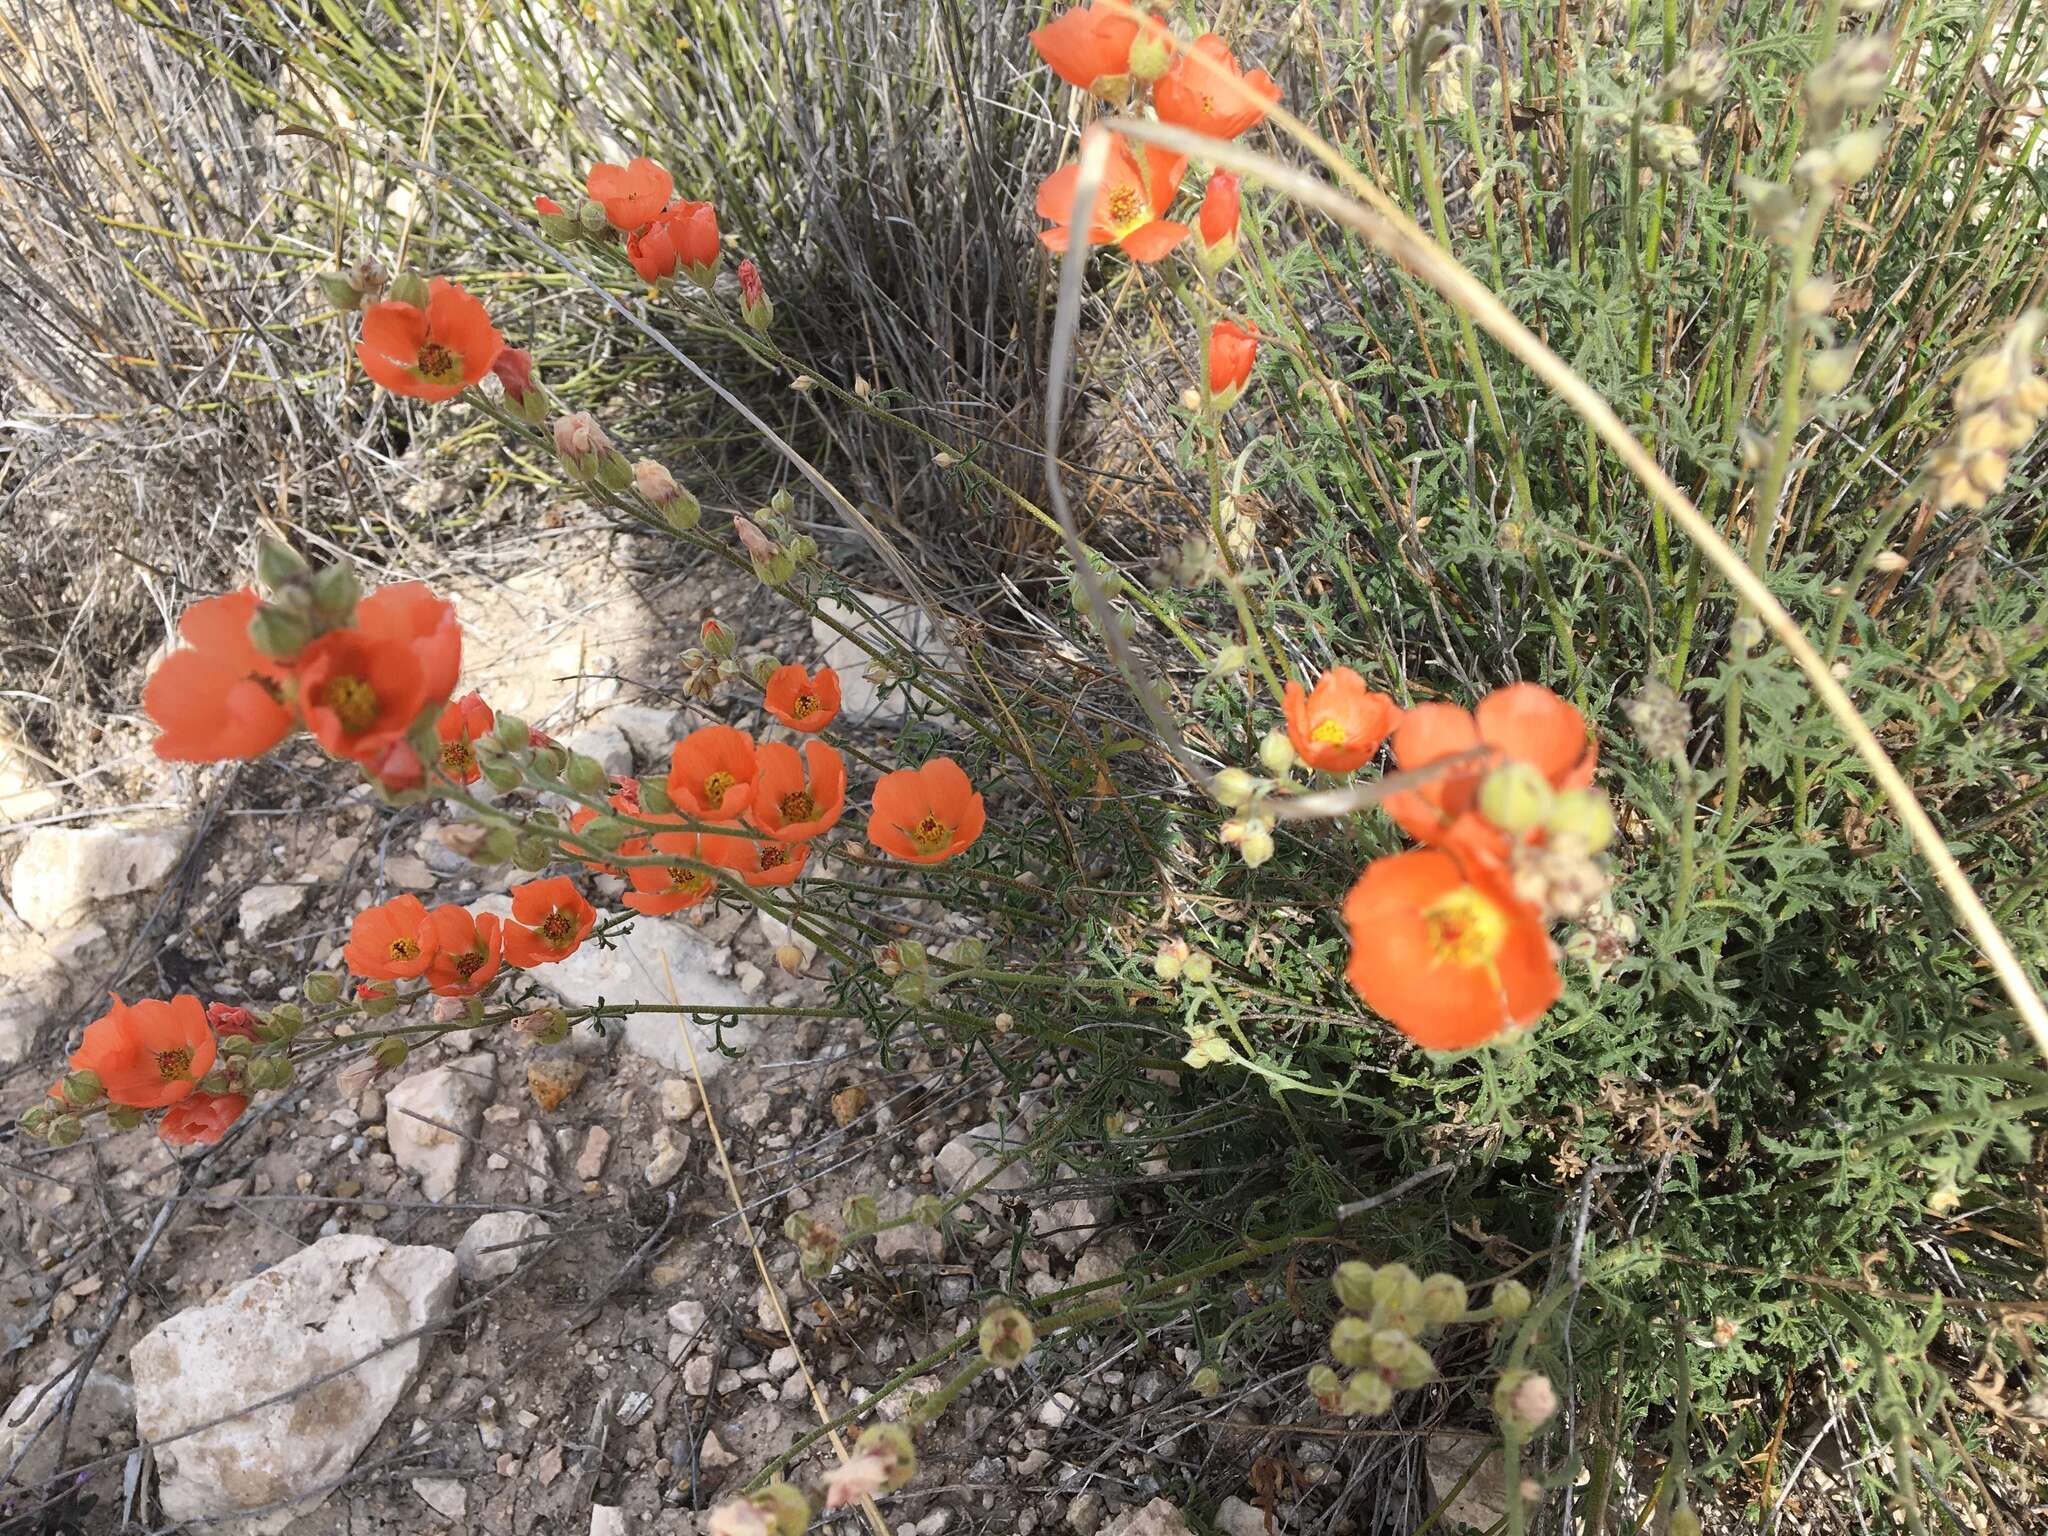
342, 1310
1159, 1518
687, 1316
409, 872
432, 1116
265, 906
895, 623
911, 1243
25, 794
608, 1520
597, 1145
445, 1496
650, 732
22, 1016
974, 1155
605, 743
1483, 1501
103, 1421
1234, 1517
64, 872
668, 1154
1056, 1410
678, 1098
640, 967
497, 1243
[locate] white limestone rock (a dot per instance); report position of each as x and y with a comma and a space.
64, 872
431, 1117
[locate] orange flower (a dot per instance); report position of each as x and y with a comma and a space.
362, 689
1523, 721
433, 353
683, 234
632, 194
1129, 205
550, 919
625, 799
468, 949
1339, 725
801, 700
217, 696
1232, 351
226, 1019
1090, 46
202, 1118
786, 807
148, 1054
926, 815
1451, 960
711, 773
462, 724
393, 941
662, 888
1205, 92
757, 860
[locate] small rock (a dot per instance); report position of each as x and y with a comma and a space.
687, 1317
445, 1496
597, 1145
21, 1020
498, 1243
714, 1454
1086, 1513
678, 1098
1159, 1518
608, 1520
751, 978
895, 625
350, 1300
669, 1153
1056, 1410
1483, 1500
409, 873
552, 1075
265, 906
103, 1421
697, 1375
1234, 1517
847, 1105
650, 732
783, 1362
432, 1116
64, 873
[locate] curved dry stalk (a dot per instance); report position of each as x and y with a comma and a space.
1373, 215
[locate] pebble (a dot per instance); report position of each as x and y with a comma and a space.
670, 1152
597, 1145
1056, 1410
678, 1098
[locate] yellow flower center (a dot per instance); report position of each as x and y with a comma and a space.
174, 1065
353, 701
1124, 209
403, 951
457, 760
685, 881
931, 834
799, 806
715, 786
438, 364
557, 929
1465, 929
1330, 733
805, 706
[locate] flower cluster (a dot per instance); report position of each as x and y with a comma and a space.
1450, 941
1114, 50
1381, 1338
193, 1062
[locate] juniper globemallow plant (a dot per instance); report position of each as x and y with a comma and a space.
926, 815
803, 701
1130, 205
1338, 725
711, 773
430, 353
217, 697
661, 889
148, 1054
1206, 92
469, 948
797, 798
550, 921
201, 1119
362, 688
464, 723
393, 941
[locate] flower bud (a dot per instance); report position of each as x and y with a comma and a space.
237, 1045
761, 668
893, 1442
390, 1052
523, 397
1583, 815
928, 1211
1698, 78
500, 772
657, 487
335, 590
1254, 841
123, 1117
323, 988
1172, 957
410, 288
1524, 1401
594, 220
1814, 297
1444, 1299
613, 472
1511, 1300
278, 565
340, 292
860, 1212
1353, 1284
1006, 1336
1366, 1395
654, 797
1216, 227
581, 444
1151, 49
1831, 368
82, 1088
608, 832
1671, 147
64, 1130
1233, 787
1198, 967
1406, 1364
1276, 753
532, 854
1207, 1382
284, 1022
1351, 1341
1516, 797
1326, 1387
585, 775
756, 308
279, 633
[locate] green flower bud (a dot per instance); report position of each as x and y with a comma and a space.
859, 1212
591, 216
682, 514
1198, 967
501, 773
1276, 753
1326, 1387
410, 288
1683, 1522
1511, 1300
323, 988
82, 1088
512, 733
1366, 1395
237, 1045
1351, 1341
499, 844
1444, 1299
608, 832
1353, 1285
788, 1511
123, 1117
585, 775
391, 1051
35, 1120
1234, 788
614, 472
335, 592
1584, 815
278, 633
376, 1004
654, 797
286, 1020
278, 565
1006, 1336
928, 1211
548, 762
340, 292
1516, 797
1524, 1401
1857, 154
1207, 1382
532, 855
65, 1129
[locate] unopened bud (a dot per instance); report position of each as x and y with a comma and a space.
123, 1117
655, 484
1171, 959
683, 512
755, 306
928, 1211
390, 1052
761, 668
585, 775
410, 288
64, 1130
82, 1088
654, 797
531, 854
1516, 797
323, 987
1366, 1395
335, 590
1254, 840
717, 640
1207, 1382
1276, 753
284, 1021
591, 216
1233, 787
1198, 967
790, 959
1351, 1341
1831, 368
1353, 1284
1813, 297
1326, 1387
279, 633
1511, 1300
278, 565
1524, 1401
1006, 1336
1443, 1299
